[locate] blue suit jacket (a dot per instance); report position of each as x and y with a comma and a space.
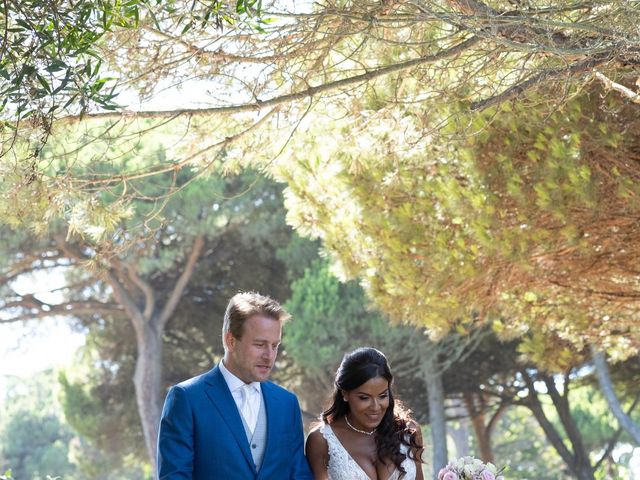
202, 438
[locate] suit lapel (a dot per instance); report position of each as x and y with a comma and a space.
270, 407
219, 394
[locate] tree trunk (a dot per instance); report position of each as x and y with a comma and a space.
435, 395
578, 460
460, 433
606, 385
149, 324
138, 299
148, 382
480, 426
582, 463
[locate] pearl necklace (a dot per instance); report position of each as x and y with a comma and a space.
346, 419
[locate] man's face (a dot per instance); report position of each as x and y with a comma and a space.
251, 357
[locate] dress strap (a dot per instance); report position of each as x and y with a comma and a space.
341, 465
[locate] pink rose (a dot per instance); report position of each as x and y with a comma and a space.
487, 475
441, 473
449, 476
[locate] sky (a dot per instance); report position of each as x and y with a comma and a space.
35, 346
29, 347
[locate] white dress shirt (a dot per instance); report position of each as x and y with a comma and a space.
247, 396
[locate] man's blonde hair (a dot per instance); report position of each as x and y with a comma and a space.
245, 305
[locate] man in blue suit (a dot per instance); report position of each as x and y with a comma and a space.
231, 423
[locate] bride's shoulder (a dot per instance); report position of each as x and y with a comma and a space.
318, 433
316, 445
318, 428
317, 452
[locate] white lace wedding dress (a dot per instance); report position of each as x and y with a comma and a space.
343, 467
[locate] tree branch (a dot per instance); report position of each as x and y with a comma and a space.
145, 288
616, 436
512, 92
69, 309
178, 289
606, 385
561, 403
31, 263
502, 406
183, 162
119, 292
287, 98
610, 84
552, 435
126, 300
218, 55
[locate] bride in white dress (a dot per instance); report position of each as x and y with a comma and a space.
365, 434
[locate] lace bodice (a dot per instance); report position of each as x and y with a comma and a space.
343, 467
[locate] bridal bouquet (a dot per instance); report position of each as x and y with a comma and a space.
469, 468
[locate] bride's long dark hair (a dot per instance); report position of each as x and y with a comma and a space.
358, 367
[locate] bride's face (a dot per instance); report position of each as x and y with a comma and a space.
368, 403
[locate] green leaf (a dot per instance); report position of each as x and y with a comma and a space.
186, 28
43, 82
64, 82
56, 65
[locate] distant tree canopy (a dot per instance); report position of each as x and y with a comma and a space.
332, 318
34, 439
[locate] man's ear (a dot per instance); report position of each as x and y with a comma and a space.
229, 341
